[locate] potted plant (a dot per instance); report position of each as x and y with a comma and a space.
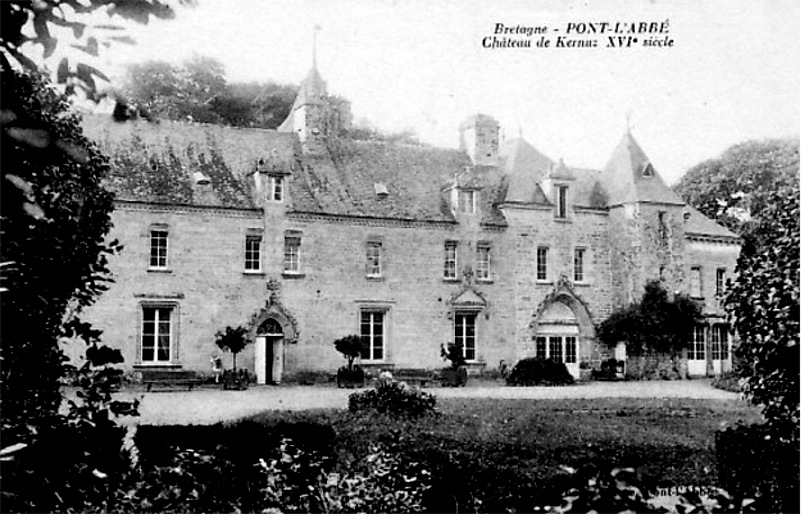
456, 374
351, 347
234, 340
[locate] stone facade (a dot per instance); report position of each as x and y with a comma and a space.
305, 238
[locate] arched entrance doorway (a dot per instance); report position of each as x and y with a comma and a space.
269, 352
562, 329
557, 336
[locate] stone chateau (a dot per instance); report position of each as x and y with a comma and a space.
304, 236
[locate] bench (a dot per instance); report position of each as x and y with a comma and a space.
417, 378
164, 380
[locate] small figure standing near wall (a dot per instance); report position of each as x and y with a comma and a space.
216, 367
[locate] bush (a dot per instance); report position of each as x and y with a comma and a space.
754, 463
537, 371
395, 398
380, 482
608, 370
349, 377
728, 381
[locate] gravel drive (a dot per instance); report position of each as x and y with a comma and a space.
207, 406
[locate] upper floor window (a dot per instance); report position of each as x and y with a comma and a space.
465, 333
373, 264
157, 334
578, 264
720, 281
158, 248
542, 263
663, 226
450, 264
467, 201
371, 328
483, 270
292, 253
695, 282
275, 188
252, 252
561, 202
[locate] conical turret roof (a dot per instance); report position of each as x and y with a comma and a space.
629, 177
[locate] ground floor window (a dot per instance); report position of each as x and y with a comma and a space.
372, 330
698, 347
558, 348
465, 333
157, 334
720, 341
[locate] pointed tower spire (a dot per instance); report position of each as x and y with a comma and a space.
314, 46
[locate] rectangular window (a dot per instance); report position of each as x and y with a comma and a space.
542, 263
714, 343
555, 347
467, 201
156, 334
663, 228
695, 282
723, 337
292, 254
450, 260
578, 265
276, 188
720, 281
540, 348
158, 248
252, 253
483, 263
371, 328
561, 202
373, 267
570, 350
698, 348
465, 334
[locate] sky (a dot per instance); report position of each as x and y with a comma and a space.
731, 75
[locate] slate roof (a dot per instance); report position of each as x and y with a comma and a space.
155, 162
344, 184
624, 180
698, 224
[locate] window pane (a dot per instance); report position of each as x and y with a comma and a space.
555, 346
253, 252
158, 248
542, 263
483, 264
540, 347
450, 260
570, 349
695, 282
578, 265
371, 327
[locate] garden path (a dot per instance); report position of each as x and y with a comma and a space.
206, 406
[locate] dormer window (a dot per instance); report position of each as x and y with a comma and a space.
275, 188
467, 201
648, 171
561, 202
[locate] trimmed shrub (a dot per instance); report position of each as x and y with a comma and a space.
608, 370
753, 462
395, 398
728, 381
537, 371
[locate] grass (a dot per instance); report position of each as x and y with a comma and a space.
507, 453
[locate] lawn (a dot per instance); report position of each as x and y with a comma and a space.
504, 453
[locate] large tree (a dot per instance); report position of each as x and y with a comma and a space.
198, 90
764, 304
733, 188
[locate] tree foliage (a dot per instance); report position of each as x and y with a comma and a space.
232, 339
734, 188
47, 17
763, 302
198, 91
657, 324
55, 215
351, 347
